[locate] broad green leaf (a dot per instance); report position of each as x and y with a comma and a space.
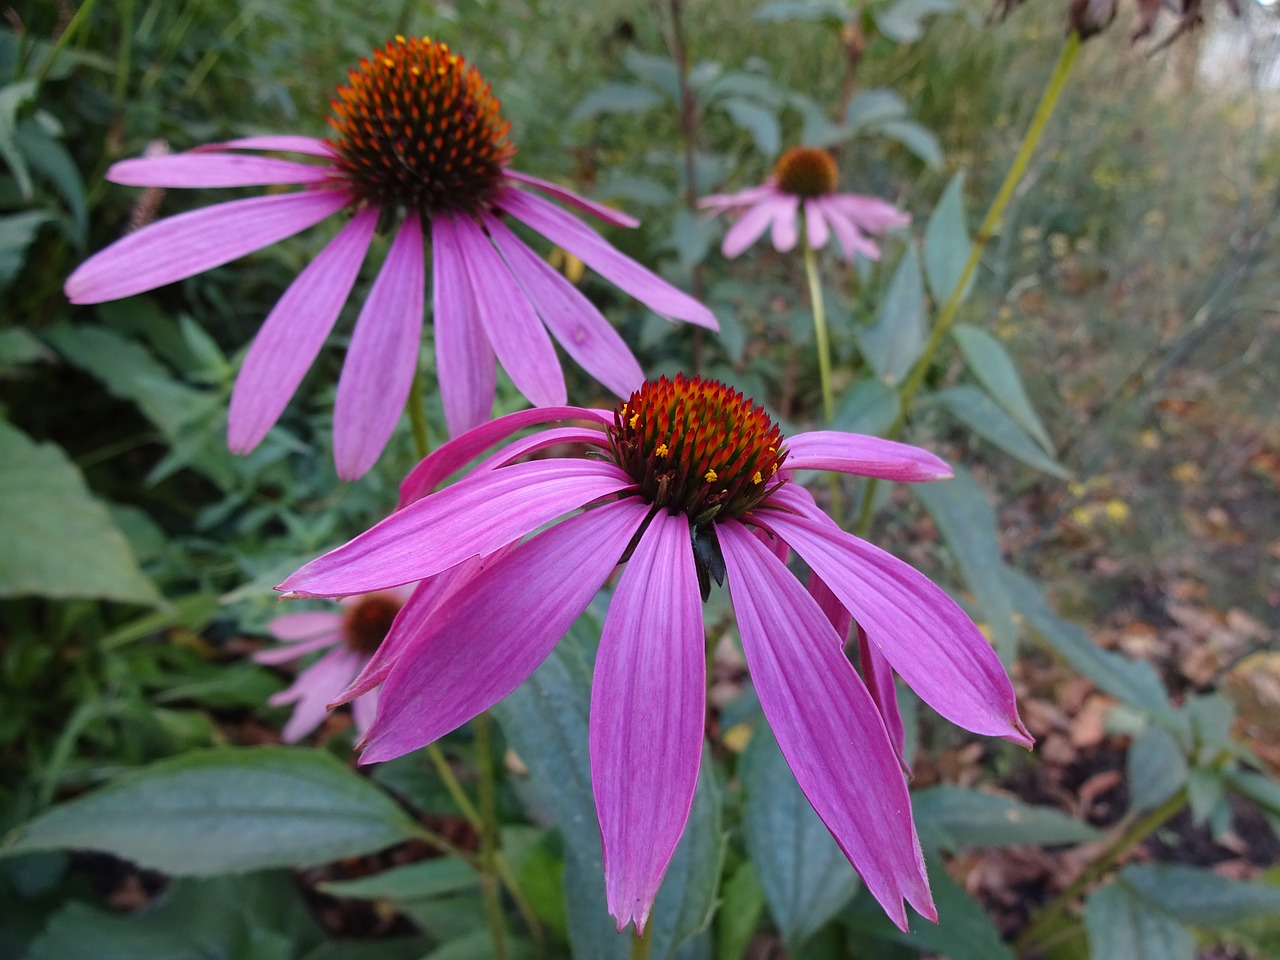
415, 881
964, 931
968, 524
872, 107
392, 948
742, 903
660, 71
757, 120
781, 11
893, 342
687, 898
478, 945
1261, 789
49, 157
805, 877
987, 358
1201, 897
915, 138
953, 817
12, 97
1205, 792
17, 233
1133, 681
19, 347
1123, 926
1157, 768
58, 540
869, 406
947, 244
903, 21
615, 98
981, 414
227, 810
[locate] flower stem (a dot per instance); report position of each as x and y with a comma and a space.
418, 415
640, 943
1129, 838
80, 19
823, 342
907, 391
489, 834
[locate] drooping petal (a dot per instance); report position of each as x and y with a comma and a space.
648, 711
864, 456
565, 230
383, 356
313, 690
516, 334
471, 518
839, 617
450, 456
294, 650
198, 240
614, 217
364, 710
826, 724
541, 441
743, 198
815, 225
786, 231
922, 632
466, 369
878, 676
303, 625
497, 631
749, 228
214, 170
294, 332
572, 319
869, 213
852, 240
284, 143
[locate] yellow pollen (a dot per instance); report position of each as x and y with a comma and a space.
399, 38
635, 417
661, 450
711, 476
756, 478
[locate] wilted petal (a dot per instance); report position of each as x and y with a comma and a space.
383, 356
294, 332
471, 518
214, 170
826, 724
199, 240
466, 370
615, 217
922, 632
498, 629
863, 456
648, 710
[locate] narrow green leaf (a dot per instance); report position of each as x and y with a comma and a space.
615, 98
227, 810
1201, 897
58, 540
981, 414
17, 233
1156, 766
49, 157
1205, 791
12, 97
952, 817
987, 358
19, 347
947, 243
739, 914
415, 881
968, 524
1123, 926
805, 877
893, 342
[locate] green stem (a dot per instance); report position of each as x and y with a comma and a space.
640, 944
77, 21
911, 386
824, 353
418, 416
489, 834
1129, 838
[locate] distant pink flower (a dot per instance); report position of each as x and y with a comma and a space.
351, 636
419, 141
804, 180
688, 482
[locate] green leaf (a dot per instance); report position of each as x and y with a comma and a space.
1201, 897
968, 524
49, 157
953, 817
19, 347
757, 120
615, 98
869, 406
1205, 792
1157, 768
895, 339
687, 898
781, 11
915, 138
478, 945
987, 358
227, 810
903, 21
17, 233
739, 914
1259, 788
1133, 681
964, 931
415, 881
805, 877
947, 244
1123, 926
392, 948
58, 540
871, 108
981, 414
12, 97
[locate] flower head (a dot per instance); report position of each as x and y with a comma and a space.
419, 146
690, 482
803, 187
351, 636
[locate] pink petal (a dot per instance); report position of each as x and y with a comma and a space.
303, 625
565, 230
749, 228
288, 652
516, 334
648, 711
473, 517
196, 241
364, 710
863, 456
785, 229
869, 213
499, 629
614, 217
313, 690
839, 618
852, 240
383, 356
284, 143
826, 724
816, 231
572, 319
437, 465
541, 441
466, 370
294, 332
921, 631
743, 198
878, 676
214, 170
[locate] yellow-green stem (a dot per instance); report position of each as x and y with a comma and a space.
489, 834
1129, 838
77, 21
907, 391
640, 944
418, 416
823, 342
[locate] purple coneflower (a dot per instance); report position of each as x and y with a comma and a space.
689, 483
419, 145
805, 180
351, 637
